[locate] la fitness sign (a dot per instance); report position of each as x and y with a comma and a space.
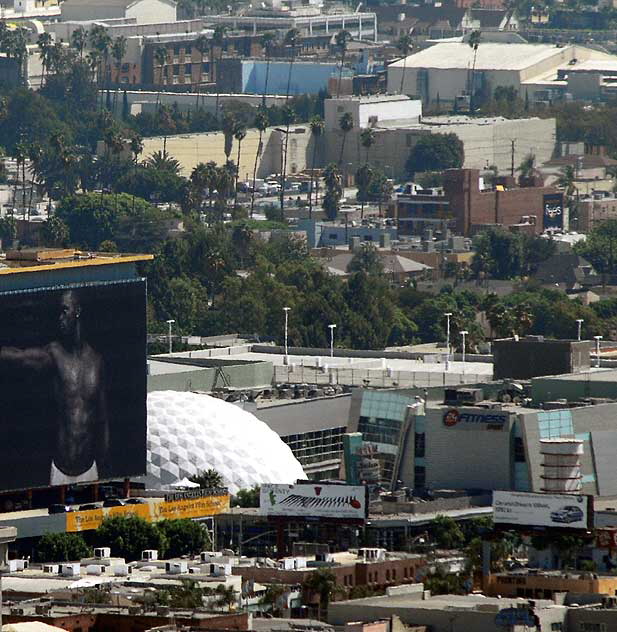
454, 417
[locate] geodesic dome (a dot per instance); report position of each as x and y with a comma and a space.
190, 432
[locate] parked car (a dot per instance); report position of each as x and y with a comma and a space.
57, 509
135, 501
113, 502
88, 507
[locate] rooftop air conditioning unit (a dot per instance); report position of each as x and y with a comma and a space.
149, 555
70, 570
53, 569
101, 552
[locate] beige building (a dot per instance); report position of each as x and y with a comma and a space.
191, 149
591, 210
142, 11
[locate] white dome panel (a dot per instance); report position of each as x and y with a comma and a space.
190, 432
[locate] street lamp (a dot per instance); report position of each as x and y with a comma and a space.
464, 333
447, 315
597, 339
170, 322
579, 322
286, 310
332, 328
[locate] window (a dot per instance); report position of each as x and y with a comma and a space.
592, 627
176, 69
557, 626
340, 108
405, 572
333, 236
419, 444
419, 474
187, 69
187, 49
519, 450
387, 574
394, 573
176, 49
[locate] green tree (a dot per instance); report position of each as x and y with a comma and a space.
61, 547
184, 537
227, 597
202, 46
272, 598
366, 260
404, 46
246, 497
345, 125
446, 532
342, 39
334, 191
600, 247
219, 37
317, 126
261, 123
55, 232
267, 42
208, 479
436, 152
321, 583
189, 595
127, 536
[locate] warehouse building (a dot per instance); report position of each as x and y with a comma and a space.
443, 72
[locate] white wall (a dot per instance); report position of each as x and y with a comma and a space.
150, 11
363, 109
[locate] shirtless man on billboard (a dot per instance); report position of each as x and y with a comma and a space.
78, 380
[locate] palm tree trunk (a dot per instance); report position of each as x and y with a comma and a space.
312, 178
403, 74
237, 174
218, 67
340, 76
340, 160
23, 189
263, 100
259, 150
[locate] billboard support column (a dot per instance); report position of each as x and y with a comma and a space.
62, 490
281, 548
127, 487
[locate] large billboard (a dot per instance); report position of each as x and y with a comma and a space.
72, 384
347, 502
559, 511
474, 418
552, 208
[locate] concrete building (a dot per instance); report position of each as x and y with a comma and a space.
448, 613
398, 124
143, 11
443, 72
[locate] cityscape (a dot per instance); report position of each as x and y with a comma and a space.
308, 316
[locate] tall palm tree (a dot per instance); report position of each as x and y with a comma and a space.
239, 135
202, 44
227, 596
267, 41
346, 125
289, 116
44, 42
219, 38
118, 51
208, 479
34, 155
474, 43
317, 126
291, 39
100, 40
261, 123
160, 57
229, 125
404, 46
342, 38
367, 140
79, 39
322, 583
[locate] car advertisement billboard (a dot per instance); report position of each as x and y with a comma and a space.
315, 500
552, 204
559, 511
72, 384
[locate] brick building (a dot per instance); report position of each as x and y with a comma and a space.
503, 205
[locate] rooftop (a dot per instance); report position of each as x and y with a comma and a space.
490, 56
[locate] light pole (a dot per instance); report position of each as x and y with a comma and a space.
597, 339
286, 310
447, 315
170, 322
332, 328
579, 322
464, 333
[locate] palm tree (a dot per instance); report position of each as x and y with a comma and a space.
79, 39
101, 42
346, 125
289, 117
118, 51
404, 46
207, 479
267, 40
93, 59
202, 44
44, 43
334, 191
341, 38
567, 181
239, 135
160, 57
261, 123
322, 583
162, 161
291, 39
34, 154
229, 125
367, 140
474, 43
227, 596
317, 126
218, 39
272, 598
527, 167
